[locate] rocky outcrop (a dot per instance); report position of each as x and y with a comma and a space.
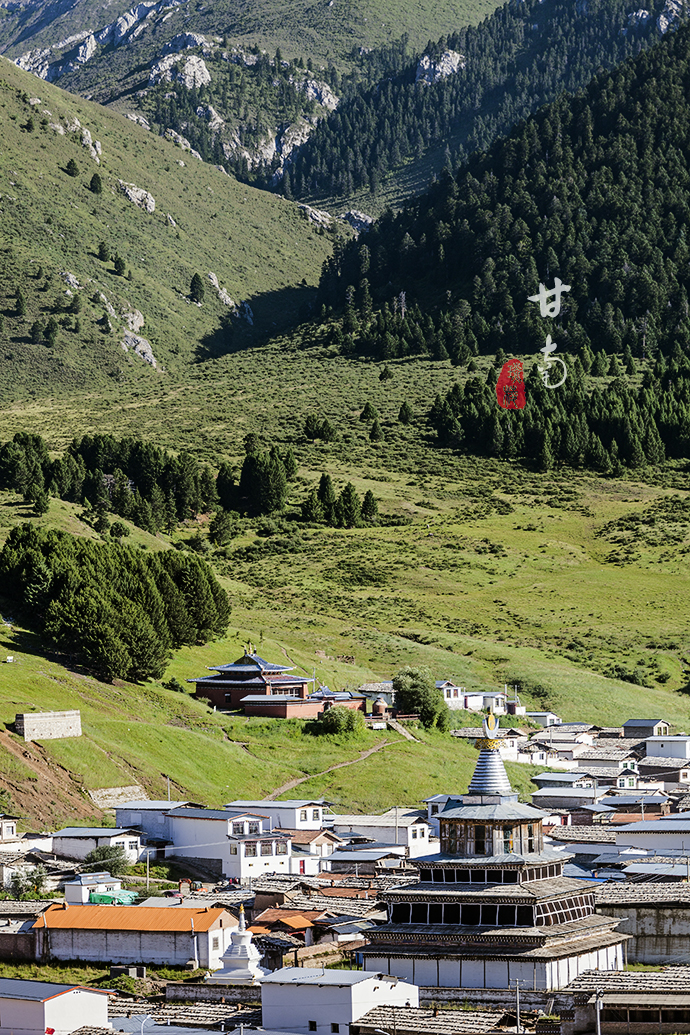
431, 70
138, 196
70, 280
134, 320
209, 113
359, 221
92, 146
317, 91
670, 16
184, 41
140, 346
139, 119
193, 73
222, 293
316, 216
108, 307
177, 138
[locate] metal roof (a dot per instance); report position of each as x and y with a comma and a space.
250, 663
290, 803
129, 918
95, 832
643, 722
676, 824
553, 777
37, 991
566, 792
144, 806
319, 976
226, 814
511, 810
489, 775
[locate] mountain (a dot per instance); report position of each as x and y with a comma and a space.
593, 190
164, 215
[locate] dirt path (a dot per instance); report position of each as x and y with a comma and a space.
341, 765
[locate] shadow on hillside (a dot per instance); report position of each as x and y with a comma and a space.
29, 643
258, 318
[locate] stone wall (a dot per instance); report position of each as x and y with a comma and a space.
48, 725
658, 932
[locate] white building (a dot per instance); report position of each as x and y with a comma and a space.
657, 836
37, 1007
236, 840
77, 891
303, 999
668, 747
151, 817
295, 814
545, 718
134, 934
406, 827
77, 842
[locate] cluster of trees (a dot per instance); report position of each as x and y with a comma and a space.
416, 693
342, 721
252, 100
593, 189
518, 59
315, 428
127, 477
116, 610
344, 511
603, 429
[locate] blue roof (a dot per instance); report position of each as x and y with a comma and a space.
37, 991
250, 663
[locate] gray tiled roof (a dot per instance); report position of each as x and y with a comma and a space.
670, 979
409, 1021
626, 893
604, 835
535, 890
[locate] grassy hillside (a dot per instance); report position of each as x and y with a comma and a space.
260, 248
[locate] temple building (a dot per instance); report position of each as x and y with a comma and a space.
494, 905
250, 679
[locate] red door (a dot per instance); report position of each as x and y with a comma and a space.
301, 866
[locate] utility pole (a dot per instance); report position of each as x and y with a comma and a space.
148, 856
599, 996
518, 982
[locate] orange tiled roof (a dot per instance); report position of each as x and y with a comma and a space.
131, 918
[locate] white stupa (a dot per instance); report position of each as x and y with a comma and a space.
240, 961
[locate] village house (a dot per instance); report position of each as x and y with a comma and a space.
656, 915
150, 817
234, 843
544, 718
627, 1003
39, 1007
643, 729
99, 888
304, 1000
310, 848
291, 814
397, 826
672, 773
77, 842
134, 934
249, 677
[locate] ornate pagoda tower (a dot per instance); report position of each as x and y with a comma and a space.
494, 905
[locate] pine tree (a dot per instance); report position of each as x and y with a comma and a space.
96, 184
312, 427
327, 431
120, 265
196, 289
386, 374
349, 507
103, 252
326, 495
312, 508
221, 528
405, 413
290, 465
21, 303
376, 434
72, 169
368, 413
370, 508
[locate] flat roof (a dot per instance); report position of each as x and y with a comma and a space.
94, 832
290, 803
38, 991
143, 806
319, 976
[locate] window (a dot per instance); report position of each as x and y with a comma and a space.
631, 783
267, 848
335, 1028
434, 810
281, 848
312, 1025
422, 831
507, 840
215, 942
455, 691
316, 814
233, 849
133, 845
254, 828
238, 829
530, 837
447, 693
414, 833
250, 849
303, 819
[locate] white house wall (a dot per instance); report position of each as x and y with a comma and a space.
64, 1013
173, 948
291, 1007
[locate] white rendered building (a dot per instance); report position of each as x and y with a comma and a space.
305, 999
37, 1007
